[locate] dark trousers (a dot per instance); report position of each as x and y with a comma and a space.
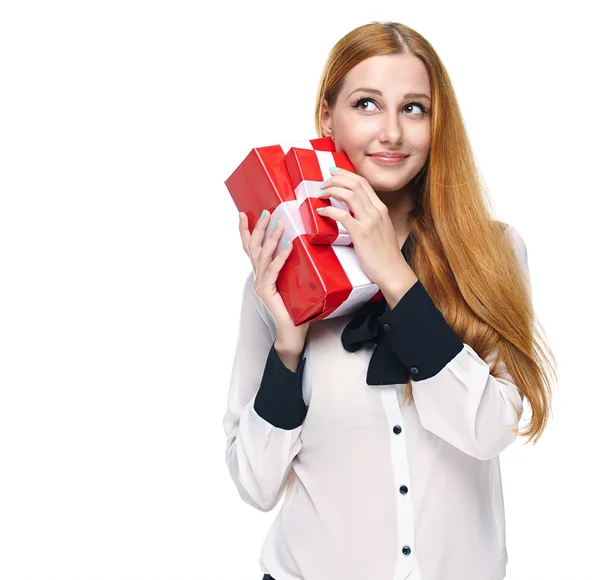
268, 577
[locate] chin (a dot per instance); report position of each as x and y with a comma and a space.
388, 189
387, 185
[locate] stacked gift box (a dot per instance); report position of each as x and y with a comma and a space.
322, 277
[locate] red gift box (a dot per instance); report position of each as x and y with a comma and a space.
307, 169
317, 281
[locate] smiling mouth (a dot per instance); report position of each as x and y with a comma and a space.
387, 159
394, 154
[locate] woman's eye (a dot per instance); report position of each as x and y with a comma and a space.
423, 110
358, 103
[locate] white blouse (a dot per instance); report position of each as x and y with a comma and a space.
376, 489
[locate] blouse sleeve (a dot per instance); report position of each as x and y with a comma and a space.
265, 409
455, 395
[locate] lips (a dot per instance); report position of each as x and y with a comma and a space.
391, 160
388, 155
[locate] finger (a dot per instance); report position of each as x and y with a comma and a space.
350, 182
244, 231
268, 248
274, 267
257, 237
360, 184
340, 215
350, 198
345, 179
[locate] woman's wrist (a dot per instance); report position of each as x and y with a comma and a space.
289, 355
292, 342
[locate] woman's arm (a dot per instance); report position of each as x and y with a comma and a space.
455, 395
265, 408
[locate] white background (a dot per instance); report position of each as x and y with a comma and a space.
121, 267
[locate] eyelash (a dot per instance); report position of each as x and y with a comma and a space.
355, 104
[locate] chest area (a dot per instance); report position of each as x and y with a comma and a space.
334, 379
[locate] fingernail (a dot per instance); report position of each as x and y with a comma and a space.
276, 224
320, 209
334, 169
263, 214
321, 184
286, 244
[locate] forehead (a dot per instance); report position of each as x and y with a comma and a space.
390, 73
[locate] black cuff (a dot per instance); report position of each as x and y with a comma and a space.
418, 334
279, 399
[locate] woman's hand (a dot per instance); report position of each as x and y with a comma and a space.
371, 230
266, 270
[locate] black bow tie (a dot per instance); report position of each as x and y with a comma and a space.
384, 366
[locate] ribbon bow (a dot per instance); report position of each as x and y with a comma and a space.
384, 367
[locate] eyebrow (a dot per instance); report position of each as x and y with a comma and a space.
375, 91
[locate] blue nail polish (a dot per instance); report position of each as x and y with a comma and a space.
262, 215
321, 184
320, 209
276, 223
334, 169
286, 244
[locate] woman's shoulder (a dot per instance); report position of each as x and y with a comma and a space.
516, 240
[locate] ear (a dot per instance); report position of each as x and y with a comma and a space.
326, 127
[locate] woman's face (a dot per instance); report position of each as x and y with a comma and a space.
377, 111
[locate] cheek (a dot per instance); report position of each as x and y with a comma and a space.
424, 143
422, 139
352, 133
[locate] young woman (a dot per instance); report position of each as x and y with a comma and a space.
385, 426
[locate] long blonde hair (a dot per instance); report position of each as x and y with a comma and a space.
459, 251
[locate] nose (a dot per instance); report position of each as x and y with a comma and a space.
391, 130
